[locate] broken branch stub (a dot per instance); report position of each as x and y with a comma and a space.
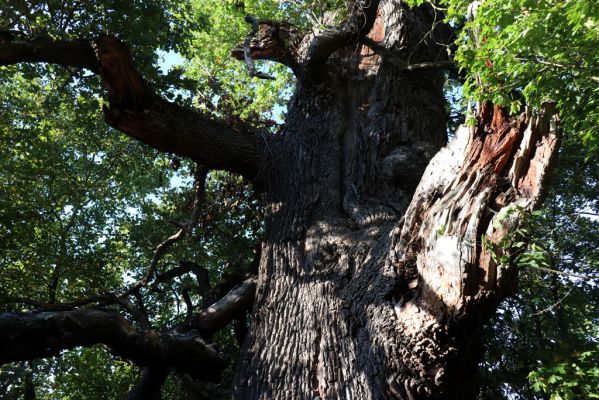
500, 164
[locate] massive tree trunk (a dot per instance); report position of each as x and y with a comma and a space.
373, 280
354, 302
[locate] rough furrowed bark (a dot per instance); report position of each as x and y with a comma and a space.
342, 173
45, 334
351, 303
449, 280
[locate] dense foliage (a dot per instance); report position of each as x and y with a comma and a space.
543, 342
526, 52
82, 207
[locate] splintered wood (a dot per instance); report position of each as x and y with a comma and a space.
501, 162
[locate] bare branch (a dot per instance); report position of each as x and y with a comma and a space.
39, 335
200, 185
135, 312
221, 313
188, 303
184, 267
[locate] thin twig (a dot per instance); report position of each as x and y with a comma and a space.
561, 272
200, 185
106, 299
554, 305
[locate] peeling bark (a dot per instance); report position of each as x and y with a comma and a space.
454, 282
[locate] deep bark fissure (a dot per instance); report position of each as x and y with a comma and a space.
403, 317
332, 197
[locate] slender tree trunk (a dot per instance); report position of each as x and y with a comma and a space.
29, 389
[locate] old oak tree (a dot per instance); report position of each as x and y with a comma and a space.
383, 250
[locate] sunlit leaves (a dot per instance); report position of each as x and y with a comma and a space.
224, 86
526, 52
553, 318
90, 373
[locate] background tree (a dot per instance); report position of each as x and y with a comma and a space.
94, 221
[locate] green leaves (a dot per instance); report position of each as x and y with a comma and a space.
223, 85
525, 52
578, 378
541, 333
520, 52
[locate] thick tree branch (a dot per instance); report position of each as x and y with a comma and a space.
358, 24
221, 313
17, 48
476, 186
136, 110
452, 253
149, 385
99, 300
38, 335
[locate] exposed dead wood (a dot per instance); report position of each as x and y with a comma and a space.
478, 185
500, 163
270, 40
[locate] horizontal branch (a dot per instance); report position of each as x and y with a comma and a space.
16, 49
201, 273
134, 107
96, 300
39, 335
